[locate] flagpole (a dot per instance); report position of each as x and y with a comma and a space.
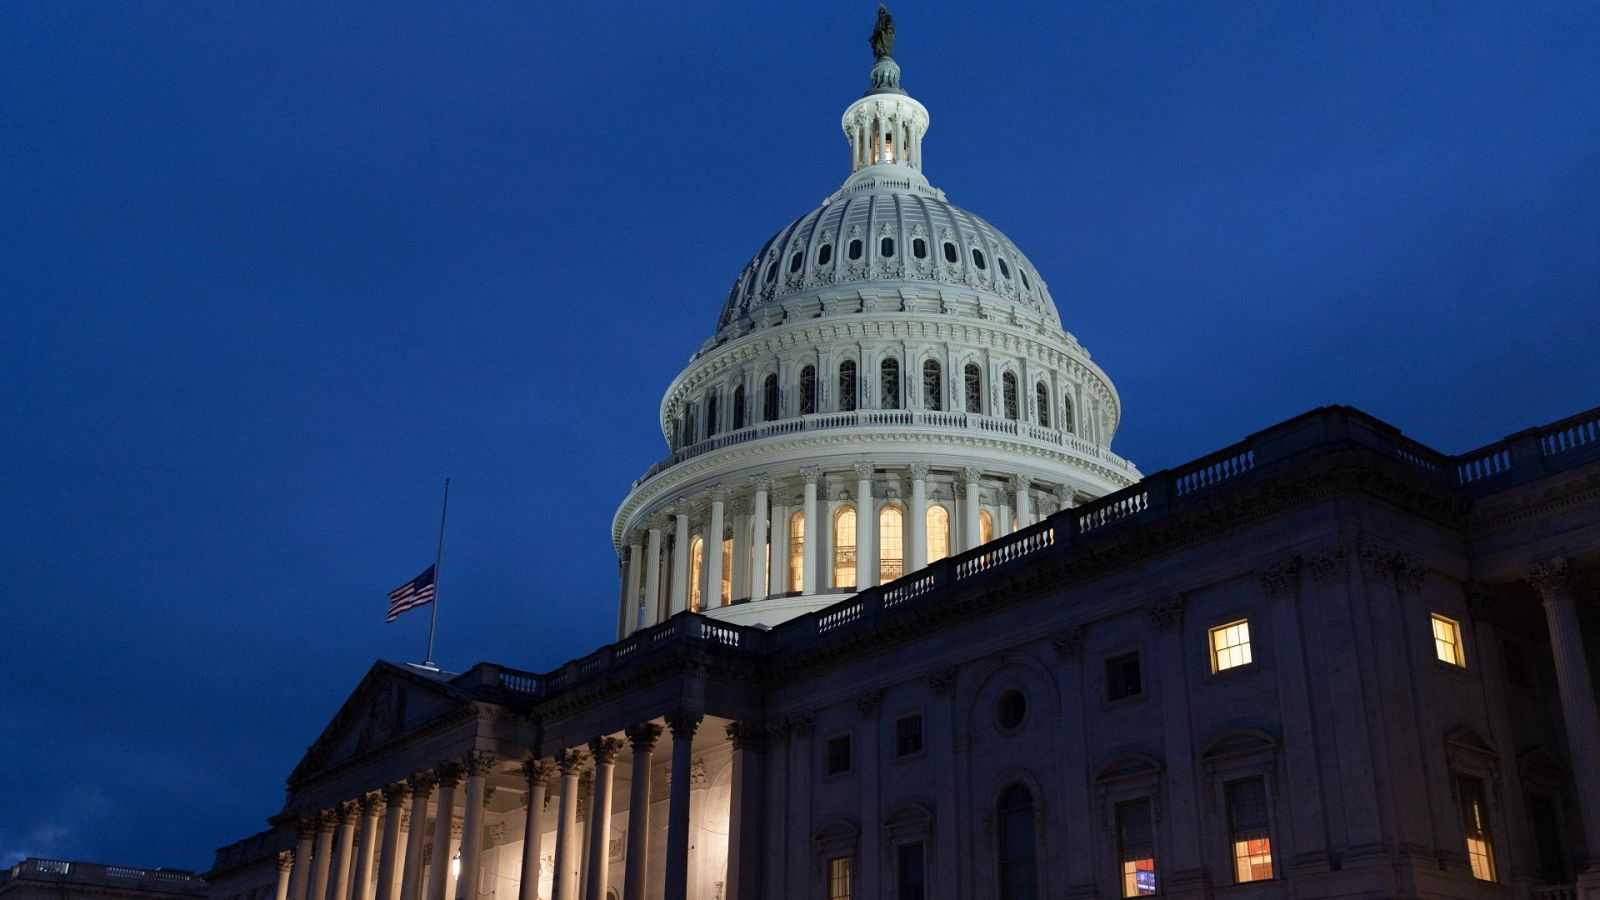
438, 566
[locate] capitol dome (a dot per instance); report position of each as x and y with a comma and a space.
888, 384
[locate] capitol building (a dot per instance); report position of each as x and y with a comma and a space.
894, 621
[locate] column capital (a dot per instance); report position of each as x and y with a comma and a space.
1168, 613
397, 793
1279, 578
942, 681
1067, 643
605, 750
718, 493
762, 482
746, 736
571, 762
307, 827
449, 773
1020, 483
423, 783
658, 523
348, 812
538, 771
371, 803
863, 470
285, 860
328, 820
643, 736
811, 474
683, 723
869, 703
919, 471
478, 762
1552, 578
971, 475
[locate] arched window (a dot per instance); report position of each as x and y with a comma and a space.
938, 521
711, 414
808, 390
797, 551
950, 252
772, 271
1067, 423
1017, 848
889, 384
847, 385
1041, 395
1008, 390
824, 254
738, 408
932, 385
977, 259
855, 249
891, 544
919, 248
769, 398
886, 247
795, 260
844, 547
974, 388
985, 526
1005, 271
727, 571
697, 558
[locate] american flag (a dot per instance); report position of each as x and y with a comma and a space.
414, 593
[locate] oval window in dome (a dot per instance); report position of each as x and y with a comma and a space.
886, 247
919, 248
796, 260
950, 252
855, 249
772, 271
1005, 270
1024, 274
824, 254
978, 260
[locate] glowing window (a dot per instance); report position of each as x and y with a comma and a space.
847, 385
1008, 390
919, 248
797, 551
1230, 645
839, 878
808, 390
824, 254
932, 385
1475, 822
950, 255
697, 555
891, 544
985, 526
727, 571
1247, 830
1447, 641
886, 247
1136, 848
889, 384
844, 547
1018, 848
938, 521
1041, 395
855, 249
973, 377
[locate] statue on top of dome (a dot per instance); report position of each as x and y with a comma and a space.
882, 40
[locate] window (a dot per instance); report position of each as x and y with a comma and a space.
772, 271
985, 526
950, 252
1017, 847
891, 544
1011, 709
886, 247
889, 384
1136, 848
795, 261
726, 595
1247, 830
836, 759
911, 872
738, 408
1122, 677
808, 390
1024, 273
769, 398
847, 385
839, 878
908, 735
938, 527
824, 254
919, 248
1008, 388
855, 249
1041, 395
844, 547
977, 259
1475, 822
711, 414
1230, 645
797, 551
1447, 641
973, 378
697, 557
932, 385
1066, 416
1005, 270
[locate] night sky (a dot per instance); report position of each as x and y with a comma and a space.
270, 271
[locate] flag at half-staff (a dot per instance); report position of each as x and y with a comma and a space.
417, 592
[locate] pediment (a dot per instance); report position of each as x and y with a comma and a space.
389, 702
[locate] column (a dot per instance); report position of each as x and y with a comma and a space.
643, 739
411, 878
285, 867
917, 553
300, 879
866, 528
605, 752
635, 570
1553, 581
712, 592
348, 815
1022, 485
808, 547
322, 860
745, 813
444, 814
683, 725
566, 875
971, 503
680, 557
394, 801
371, 804
759, 539
739, 572
538, 773
652, 575
777, 572
479, 763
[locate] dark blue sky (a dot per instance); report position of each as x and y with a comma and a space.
270, 271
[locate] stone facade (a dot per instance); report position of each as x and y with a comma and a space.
61, 879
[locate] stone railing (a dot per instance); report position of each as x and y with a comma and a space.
932, 420
1521, 457
98, 874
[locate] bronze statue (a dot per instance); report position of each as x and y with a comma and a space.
882, 40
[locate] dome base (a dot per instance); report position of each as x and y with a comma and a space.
768, 613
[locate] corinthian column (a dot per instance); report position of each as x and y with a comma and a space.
605, 750
444, 815
631, 607
411, 879
683, 725
744, 812
348, 814
917, 553
478, 765
1022, 485
389, 870
1553, 581
300, 882
711, 592
643, 738
680, 556
566, 875
370, 804
285, 866
324, 854
971, 532
758, 545
866, 529
538, 774
808, 545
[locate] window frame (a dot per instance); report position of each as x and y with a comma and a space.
1457, 645
922, 735
835, 547
884, 533
1249, 644
1122, 657
837, 739
1032, 813
1228, 787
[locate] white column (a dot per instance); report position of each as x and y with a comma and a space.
444, 815
1553, 580
389, 869
605, 752
866, 529
971, 504
643, 739
348, 814
680, 557
566, 856
411, 880
758, 540
917, 553
323, 860
652, 575
538, 774
739, 572
300, 878
285, 868
777, 572
630, 610
808, 549
371, 805
1022, 485
683, 725
479, 764
712, 592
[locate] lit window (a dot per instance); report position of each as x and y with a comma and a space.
1136, 848
1008, 390
1018, 847
847, 385
844, 547
1247, 829
1475, 822
1447, 640
985, 526
938, 533
727, 571
912, 872
908, 735
932, 385
1230, 645
839, 878
797, 551
837, 756
697, 553
889, 384
891, 544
